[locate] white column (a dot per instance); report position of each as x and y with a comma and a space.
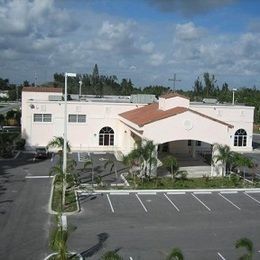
216, 167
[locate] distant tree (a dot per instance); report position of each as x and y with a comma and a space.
4, 84
198, 87
209, 81
26, 83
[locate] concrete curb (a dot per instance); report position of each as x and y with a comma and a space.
173, 190
53, 212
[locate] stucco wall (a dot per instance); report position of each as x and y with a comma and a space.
81, 136
186, 126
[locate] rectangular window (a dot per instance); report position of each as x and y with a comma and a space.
198, 143
72, 118
189, 142
75, 118
82, 118
42, 117
37, 118
46, 117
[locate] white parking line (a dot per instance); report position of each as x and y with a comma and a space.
252, 191
202, 192
229, 201
257, 201
145, 209
176, 192
146, 193
38, 177
119, 193
201, 202
171, 202
131, 258
228, 192
221, 256
111, 206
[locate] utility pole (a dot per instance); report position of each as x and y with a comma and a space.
174, 81
35, 79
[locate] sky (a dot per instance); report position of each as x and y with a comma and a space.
144, 40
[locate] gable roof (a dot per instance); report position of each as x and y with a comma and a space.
42, 89
151, 113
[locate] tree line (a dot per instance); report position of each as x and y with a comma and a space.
100, 85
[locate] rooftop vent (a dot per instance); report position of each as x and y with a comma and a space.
210, 100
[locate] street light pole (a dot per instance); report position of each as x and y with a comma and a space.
233, 97
64, 166
80, 84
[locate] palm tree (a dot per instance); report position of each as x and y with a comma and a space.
248, 245
240, 160
170, 162
143, 155
175, 254
58, 241
111, 255
58, 142
224, 155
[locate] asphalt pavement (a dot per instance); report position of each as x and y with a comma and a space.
24, 218
147, 226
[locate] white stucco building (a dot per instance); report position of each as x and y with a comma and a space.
113, 124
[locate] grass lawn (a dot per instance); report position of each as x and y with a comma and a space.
196, 183
70, 199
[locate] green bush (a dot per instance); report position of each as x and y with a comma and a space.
19, 145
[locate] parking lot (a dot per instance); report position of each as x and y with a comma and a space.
205, 225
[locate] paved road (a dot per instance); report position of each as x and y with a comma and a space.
24, 219
8, 107
148, 226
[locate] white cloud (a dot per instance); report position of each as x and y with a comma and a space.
157, 59
188, 31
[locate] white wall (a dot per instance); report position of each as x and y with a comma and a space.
187, 126
238, 116
81, 136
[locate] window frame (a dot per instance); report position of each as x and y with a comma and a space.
77, 118
106, 136
42, 118
240, 138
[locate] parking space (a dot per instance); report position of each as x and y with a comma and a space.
172, 202
147, 225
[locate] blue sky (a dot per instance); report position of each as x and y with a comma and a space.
146, 40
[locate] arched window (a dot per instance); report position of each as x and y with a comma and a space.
240, 138
106, 136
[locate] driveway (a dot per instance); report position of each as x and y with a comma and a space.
24, 217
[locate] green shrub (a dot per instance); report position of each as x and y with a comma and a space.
19, 145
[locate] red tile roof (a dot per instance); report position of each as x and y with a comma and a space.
42, 89
172, 94
151, 113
